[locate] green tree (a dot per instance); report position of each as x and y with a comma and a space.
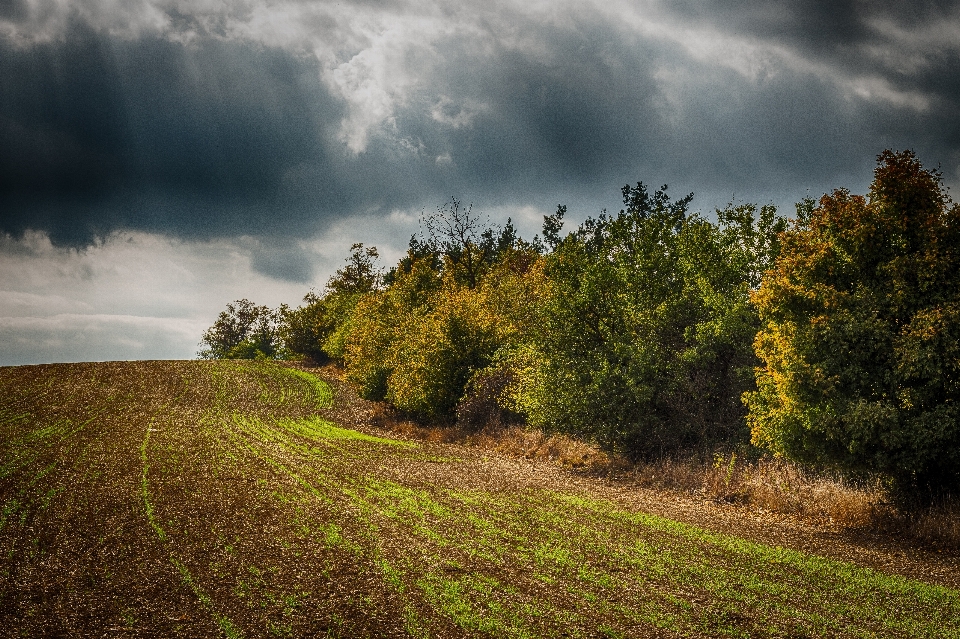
456, 241
361, 276
643, 341
242, 331
860, 340
305, 329
319, 328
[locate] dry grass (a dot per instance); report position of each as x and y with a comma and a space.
768, 485
778, 486
509, 439
765, 485
937, 525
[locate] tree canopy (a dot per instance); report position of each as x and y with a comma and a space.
242, 331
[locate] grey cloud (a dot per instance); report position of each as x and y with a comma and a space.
809, 23
911, 46
134, 295
539, 126
600, 112
14, 10
77, 338
824, 28
217, 135
287, 263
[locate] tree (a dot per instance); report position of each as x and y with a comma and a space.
243, 331
442, 317
360, 275
456, 240
551, 229
643, 341
319, 328
860, 338
305, 328
450, 341
381, 320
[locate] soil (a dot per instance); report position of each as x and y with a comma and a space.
159, 499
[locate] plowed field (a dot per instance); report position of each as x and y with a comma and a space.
204, 499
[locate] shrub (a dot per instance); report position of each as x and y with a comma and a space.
440, 350
378, 322
305, 329
419, 342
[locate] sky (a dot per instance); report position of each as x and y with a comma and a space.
161, 158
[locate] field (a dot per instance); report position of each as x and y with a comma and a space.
204, 499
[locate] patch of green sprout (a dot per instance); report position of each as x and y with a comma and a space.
316, 428
227, 626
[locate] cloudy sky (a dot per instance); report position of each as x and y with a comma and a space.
160, 158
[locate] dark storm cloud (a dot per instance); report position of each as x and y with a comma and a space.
220, 135
598, 111
912, 46
13, 10
151, 134
224, 138
824, 28
536, 126
282, 261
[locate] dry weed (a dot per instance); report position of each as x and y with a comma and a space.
937, 525
766, 485
535, 444
513, 440
778, 486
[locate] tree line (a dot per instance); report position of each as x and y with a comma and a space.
832, 338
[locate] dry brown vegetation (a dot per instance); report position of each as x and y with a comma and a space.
767, 485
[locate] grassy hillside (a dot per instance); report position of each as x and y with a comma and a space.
218, 498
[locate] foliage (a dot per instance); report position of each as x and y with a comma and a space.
304, 329
861, 333
378, 323
456, 241
420, 341
551, 228
643, 342
444, 348
243, 331
319, 328
417, 342
360, 275
440, 350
